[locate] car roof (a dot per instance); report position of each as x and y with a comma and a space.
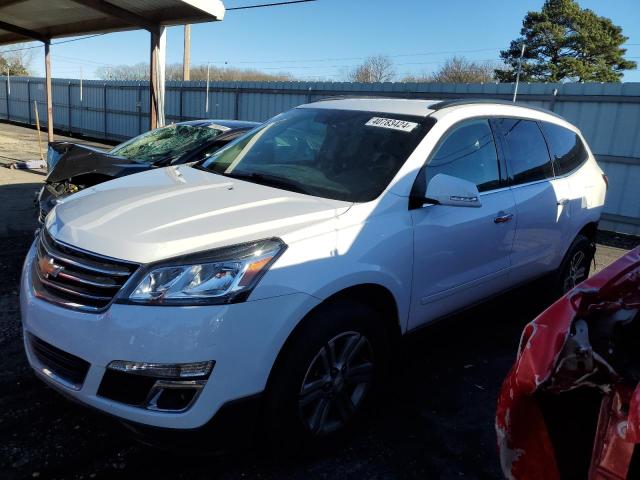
398, 106
424, 108
232, 124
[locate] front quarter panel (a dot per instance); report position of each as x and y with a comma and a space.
370, 244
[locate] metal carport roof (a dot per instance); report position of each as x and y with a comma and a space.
47, 19
43, 20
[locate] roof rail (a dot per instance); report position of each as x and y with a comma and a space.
479, 101
439, 104
382, 96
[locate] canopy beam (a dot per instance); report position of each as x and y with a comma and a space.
25, 32
6, 3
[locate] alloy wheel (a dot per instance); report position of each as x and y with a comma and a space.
576, 272
336, 383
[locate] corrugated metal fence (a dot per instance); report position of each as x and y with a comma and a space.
607, 114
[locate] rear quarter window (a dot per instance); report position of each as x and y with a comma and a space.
566, 147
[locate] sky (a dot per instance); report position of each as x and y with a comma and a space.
325, 39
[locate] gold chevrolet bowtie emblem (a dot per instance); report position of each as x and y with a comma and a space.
48, 267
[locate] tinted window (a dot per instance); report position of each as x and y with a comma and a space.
568, 151
217, 145
528, 154
469, 152
340, 154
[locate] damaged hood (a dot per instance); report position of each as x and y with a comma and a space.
172, 211
66, 160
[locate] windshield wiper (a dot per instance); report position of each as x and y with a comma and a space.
271, 181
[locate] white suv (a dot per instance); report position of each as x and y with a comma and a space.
272, 277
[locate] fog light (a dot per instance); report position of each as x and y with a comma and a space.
173, 395
164, 370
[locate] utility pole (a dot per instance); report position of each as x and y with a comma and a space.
186, 59
206, 102
515, 92
48, 89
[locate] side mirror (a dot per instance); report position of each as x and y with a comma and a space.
444, 189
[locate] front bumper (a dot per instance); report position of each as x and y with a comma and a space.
243, 339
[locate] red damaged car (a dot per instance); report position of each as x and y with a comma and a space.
570, 406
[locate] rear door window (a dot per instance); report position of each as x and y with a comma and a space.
527, 150
566, 146
468, 152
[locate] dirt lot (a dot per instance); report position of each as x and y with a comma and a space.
435, 422
19, 143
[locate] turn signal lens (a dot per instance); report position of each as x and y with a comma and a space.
164, 370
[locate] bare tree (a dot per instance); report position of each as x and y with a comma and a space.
378, 68
236, 74
140, 72
18, 62
137, 72
458, 70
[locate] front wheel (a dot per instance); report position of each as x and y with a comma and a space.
325, 376
336, 383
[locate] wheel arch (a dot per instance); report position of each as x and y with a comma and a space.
374, 294
590, 230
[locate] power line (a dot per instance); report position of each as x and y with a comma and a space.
275, 4
54, 43
339, 59
298, 67
82, 61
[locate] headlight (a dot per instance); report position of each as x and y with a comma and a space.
219, 276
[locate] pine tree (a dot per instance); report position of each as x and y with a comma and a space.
564, 42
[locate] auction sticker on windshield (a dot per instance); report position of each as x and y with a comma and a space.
391, 123
222, 128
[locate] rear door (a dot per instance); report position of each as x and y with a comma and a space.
542, 202
461, 254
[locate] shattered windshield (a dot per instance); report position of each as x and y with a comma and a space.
340, 154
166, 143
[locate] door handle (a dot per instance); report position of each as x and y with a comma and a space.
505, 217
563, 202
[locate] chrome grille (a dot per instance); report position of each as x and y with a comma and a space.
75, 278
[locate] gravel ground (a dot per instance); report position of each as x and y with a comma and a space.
19, 144
436, 420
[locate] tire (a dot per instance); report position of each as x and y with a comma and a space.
575, 267
324, 377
